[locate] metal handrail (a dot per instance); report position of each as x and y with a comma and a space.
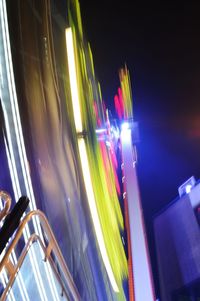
7, 203
32, 239
52, 245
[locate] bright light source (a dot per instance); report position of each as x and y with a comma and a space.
125, 126
73, 79
188, 188
126, 136
101, 131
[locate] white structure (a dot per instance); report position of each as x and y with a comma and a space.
143, 286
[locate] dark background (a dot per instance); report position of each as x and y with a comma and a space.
160, 43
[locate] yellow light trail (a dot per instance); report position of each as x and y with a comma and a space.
84, 157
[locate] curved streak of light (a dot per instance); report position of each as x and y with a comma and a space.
16, 116
22, 153
93, 210
11, 158
19, 280
3, 275
84, 158
17, 190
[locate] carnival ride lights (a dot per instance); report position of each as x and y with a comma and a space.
101, 131
84, 157
140, 278
125, 126
20, 173
126, 129
11, 148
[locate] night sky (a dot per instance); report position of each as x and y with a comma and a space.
160, 43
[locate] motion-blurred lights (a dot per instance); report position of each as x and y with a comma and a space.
101, 131
73, 79
84, 157
126, 132
15, 117
115, 132
94, 213
125, 126
108, 143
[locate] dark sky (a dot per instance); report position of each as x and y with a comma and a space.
161, 45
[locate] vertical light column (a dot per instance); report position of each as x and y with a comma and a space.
143, 286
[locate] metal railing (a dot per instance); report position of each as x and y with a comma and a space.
7, 203
49, 245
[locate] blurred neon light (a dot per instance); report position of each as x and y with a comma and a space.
125, 135
101, 131
23, 160
17, 193
121, 101
73, 79
125, 126
125, 94
84, 157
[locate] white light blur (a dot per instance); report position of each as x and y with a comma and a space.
84, 158
23, 159
16, 119
17, 193
101, 131
73, 79
126, 135
11, 158
125, 126
188, 188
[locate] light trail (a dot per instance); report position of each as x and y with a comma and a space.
84, 157
73, 80
93, 210
23, 161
